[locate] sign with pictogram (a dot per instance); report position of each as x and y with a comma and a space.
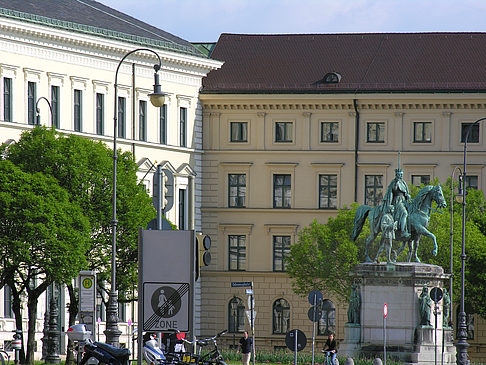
166, 306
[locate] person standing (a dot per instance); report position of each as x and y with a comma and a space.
245, 346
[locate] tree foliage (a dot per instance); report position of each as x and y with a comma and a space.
323, 256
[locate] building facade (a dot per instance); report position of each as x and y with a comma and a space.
296, 127
67, 52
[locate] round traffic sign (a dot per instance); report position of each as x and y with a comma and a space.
385, 310
290, 340
315, 297
436, 294
314, 313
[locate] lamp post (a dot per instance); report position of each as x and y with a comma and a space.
37, 117
157, 99
452, 233
462, 344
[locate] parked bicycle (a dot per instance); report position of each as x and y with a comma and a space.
4, 358
212, 357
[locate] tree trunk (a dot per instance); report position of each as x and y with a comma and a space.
17, 309
32, 311
73, 312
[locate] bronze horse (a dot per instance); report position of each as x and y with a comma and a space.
419, 210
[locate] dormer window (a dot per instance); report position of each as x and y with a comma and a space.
332, 78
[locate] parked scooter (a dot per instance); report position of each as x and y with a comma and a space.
152, 353
103, 352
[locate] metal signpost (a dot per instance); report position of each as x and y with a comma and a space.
251, 305
436, 296
314, 314
385, 314
87, 300
295, 341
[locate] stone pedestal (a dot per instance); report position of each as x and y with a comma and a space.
399, 285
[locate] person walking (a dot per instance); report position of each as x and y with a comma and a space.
245, 345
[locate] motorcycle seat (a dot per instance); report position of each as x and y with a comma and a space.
115, 351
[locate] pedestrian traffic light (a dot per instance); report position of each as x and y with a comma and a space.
203, 256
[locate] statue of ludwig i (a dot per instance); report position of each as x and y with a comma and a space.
410, 218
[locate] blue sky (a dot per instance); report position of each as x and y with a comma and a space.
205, 20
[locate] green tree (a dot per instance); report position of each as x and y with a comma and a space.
85, 168
43, 237
323, 256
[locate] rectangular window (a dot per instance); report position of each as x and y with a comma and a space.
418, 180
473, 134
163, 124
282, 191
281, 248
142, 120
31, 100
283, 131
422, 132
373, 189
182, 209
183, 127
236, 190
330, 132
122, 116
375, 132
7, 302
239, 131
327, 191
78, 111
472, 182
122, 312
237, 252
55, 105
100, 114
7, 99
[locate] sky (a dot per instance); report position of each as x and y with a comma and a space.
205, 20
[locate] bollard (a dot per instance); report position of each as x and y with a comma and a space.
377, 361
349, 361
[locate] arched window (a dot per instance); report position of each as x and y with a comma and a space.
281, 316
236, 315
327, 322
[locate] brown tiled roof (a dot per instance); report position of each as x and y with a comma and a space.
368, 63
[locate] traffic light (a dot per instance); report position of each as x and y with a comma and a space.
164, 191
203, 256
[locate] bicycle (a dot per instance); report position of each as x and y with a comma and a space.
212, 357
4, 355
328, 360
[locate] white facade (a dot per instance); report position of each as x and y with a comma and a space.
82, 66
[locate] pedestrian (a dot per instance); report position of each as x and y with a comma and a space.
245, 345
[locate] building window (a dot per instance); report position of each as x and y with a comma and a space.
122, 116
422, 132
142, 120
7, 99
7, 302
472, 182
327, 322
375, 132
237, 252
282, 191
236, 190
55, 105
122, 311
281, 248
327, 191
239, 131
281, 316
31, 100
283, 131
78, 111
373, 189
183, 127
236, 315
163, 124
100, 114
418, 180
182, 209
473, 134
330, 132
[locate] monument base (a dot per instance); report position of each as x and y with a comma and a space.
399, 286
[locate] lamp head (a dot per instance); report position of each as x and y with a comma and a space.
157, 98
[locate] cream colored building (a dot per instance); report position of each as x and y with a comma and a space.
296, 127
68, 52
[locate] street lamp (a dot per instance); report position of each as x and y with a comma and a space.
37, 117
157, 99
462, 344
452, 233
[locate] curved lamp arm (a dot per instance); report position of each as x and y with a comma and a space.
37, 118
